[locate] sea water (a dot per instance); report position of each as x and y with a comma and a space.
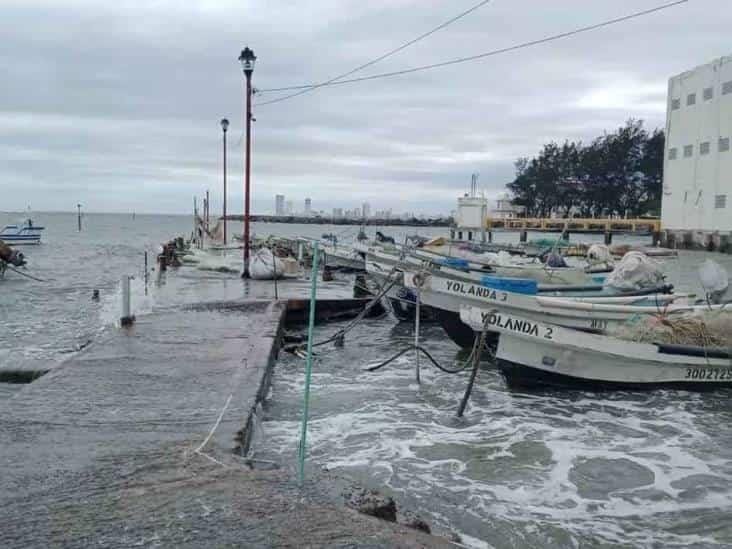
521, 469
548, 468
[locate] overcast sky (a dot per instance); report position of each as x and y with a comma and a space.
117, 104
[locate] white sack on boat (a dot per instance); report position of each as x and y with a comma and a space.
634, 272
264, 265
598, 253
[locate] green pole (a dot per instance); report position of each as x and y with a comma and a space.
308, 367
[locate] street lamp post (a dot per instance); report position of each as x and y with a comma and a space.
224, 127
247, 59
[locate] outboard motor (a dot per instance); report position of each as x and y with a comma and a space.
555, 260
9, 255
381, 237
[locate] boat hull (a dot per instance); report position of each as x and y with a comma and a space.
19, 240
519, 376
535, 354
459, 332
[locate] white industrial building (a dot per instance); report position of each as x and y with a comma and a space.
697, 170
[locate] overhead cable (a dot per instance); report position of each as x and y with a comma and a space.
491, 53
310, 87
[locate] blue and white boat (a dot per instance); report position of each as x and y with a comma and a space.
25, 232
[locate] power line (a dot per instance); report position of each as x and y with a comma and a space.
523, 45
311, 87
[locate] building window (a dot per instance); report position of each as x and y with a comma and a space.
675, 104
688, 150
704, 147
691, 99
686, 196
708, 93
452, 235
727, 88
460, 235
720, 201
470, 235
672, 153
723, 144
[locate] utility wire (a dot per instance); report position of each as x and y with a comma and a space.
491, 53
404, 46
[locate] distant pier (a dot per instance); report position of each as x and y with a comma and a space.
641, 227
327, 220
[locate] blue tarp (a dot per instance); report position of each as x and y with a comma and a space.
516, 285
454, 262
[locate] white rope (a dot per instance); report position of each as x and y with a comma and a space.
213, 429
210, 434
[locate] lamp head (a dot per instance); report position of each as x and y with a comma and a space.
224, 124
247, 59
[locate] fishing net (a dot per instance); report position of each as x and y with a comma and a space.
711, 328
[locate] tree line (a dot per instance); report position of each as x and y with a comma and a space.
619, 173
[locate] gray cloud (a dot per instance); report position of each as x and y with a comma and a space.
117, 106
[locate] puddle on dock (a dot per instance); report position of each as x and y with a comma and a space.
552, 469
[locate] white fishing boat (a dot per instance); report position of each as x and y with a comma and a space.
534, 353
592, 308
341, 257
385, 257
24, 232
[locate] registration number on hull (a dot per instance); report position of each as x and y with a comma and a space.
709, 374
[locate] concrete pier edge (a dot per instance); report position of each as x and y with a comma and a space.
710, 241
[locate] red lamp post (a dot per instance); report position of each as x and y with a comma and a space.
247, 59
224, 127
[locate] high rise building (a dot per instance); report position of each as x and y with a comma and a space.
289, 207
279, 204
308, 206
366, 210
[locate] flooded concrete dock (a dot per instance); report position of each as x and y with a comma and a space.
139, 440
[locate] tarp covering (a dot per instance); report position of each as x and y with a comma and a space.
515, 285
634, 272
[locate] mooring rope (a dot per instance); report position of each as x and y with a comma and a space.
342, 332
476, 364
425, 353
24, 274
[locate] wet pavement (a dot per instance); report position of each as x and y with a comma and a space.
137, 441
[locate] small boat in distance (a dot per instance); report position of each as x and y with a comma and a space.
25, 232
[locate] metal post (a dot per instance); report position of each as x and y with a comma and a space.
308, 367
247, 169
208, 210
146, 273
224, 187
78, 215
127, 318
416, 332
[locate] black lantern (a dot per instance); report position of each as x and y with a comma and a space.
247, 59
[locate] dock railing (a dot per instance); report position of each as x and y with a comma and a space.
576, 224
